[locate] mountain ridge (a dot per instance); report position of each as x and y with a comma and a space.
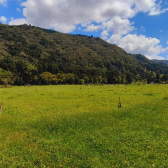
29, 52
161, 61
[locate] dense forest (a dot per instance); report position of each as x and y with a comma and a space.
32, 55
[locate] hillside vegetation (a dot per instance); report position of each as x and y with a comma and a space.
32, 55
161, 61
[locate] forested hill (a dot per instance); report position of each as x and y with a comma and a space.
161, 61
32, 55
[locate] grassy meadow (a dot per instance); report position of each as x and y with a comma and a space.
82, 126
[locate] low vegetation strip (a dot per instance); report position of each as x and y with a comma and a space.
82, 126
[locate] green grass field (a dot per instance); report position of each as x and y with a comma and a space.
69, 126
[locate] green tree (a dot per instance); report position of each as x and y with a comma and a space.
31, 73
104, 80
115, 79
47, 77
164, 78
7, 77
1, 71
158, 77
8, 64
124, 79
86, 79
61, 78
128, 77
119, 79
100, 79
70, 78
54, 79
81, 81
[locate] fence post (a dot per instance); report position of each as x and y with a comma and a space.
119, 105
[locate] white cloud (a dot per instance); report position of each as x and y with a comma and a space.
92, 27
104, 34
3, 19
87, 23
18, 21
156, 10
118, 25
150, 6
142, 45
2, 2
18, 10
155, 57
142, 29
66, 14
114, 39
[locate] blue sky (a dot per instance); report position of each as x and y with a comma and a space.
137, 26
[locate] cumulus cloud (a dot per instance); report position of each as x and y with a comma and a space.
118, 25
65, 15
3, 19
18, 21
92, 27
156, 10
155, 57
142, 45
114, 39
104, 34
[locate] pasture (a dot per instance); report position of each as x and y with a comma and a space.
82, 126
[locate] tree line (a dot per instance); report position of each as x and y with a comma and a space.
43, 73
